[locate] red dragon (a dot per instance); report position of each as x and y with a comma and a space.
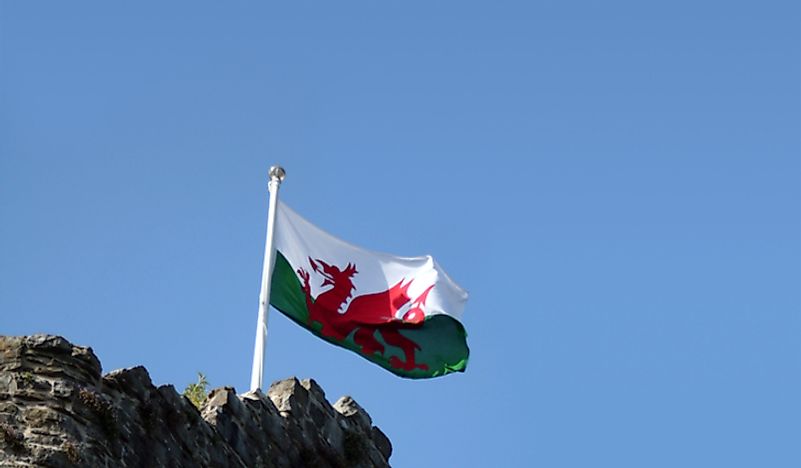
366, 314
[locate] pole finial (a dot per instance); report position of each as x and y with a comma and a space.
277, 173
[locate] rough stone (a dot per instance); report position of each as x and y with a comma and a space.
57, 410
347, 406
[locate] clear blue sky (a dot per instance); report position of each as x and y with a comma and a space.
617, 184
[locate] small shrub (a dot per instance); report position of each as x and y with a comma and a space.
27, 377
196, 392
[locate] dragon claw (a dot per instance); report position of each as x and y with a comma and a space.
304, 275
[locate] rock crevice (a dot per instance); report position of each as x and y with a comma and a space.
57, 409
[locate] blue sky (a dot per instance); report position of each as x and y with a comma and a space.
617, 184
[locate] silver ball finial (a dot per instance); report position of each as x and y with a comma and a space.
277, 173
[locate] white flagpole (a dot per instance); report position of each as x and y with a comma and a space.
277, 175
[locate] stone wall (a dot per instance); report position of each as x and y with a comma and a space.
57, 410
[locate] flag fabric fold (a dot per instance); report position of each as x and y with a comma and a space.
402, 313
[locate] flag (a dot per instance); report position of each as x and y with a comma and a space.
401, 313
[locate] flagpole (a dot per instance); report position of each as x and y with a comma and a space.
277, 175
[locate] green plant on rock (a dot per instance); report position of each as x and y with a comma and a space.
27, 377
196, 392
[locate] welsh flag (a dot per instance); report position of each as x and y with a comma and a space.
400, 312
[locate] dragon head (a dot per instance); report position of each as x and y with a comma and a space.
333, 275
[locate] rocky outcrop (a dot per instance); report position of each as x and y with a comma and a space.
56, 409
